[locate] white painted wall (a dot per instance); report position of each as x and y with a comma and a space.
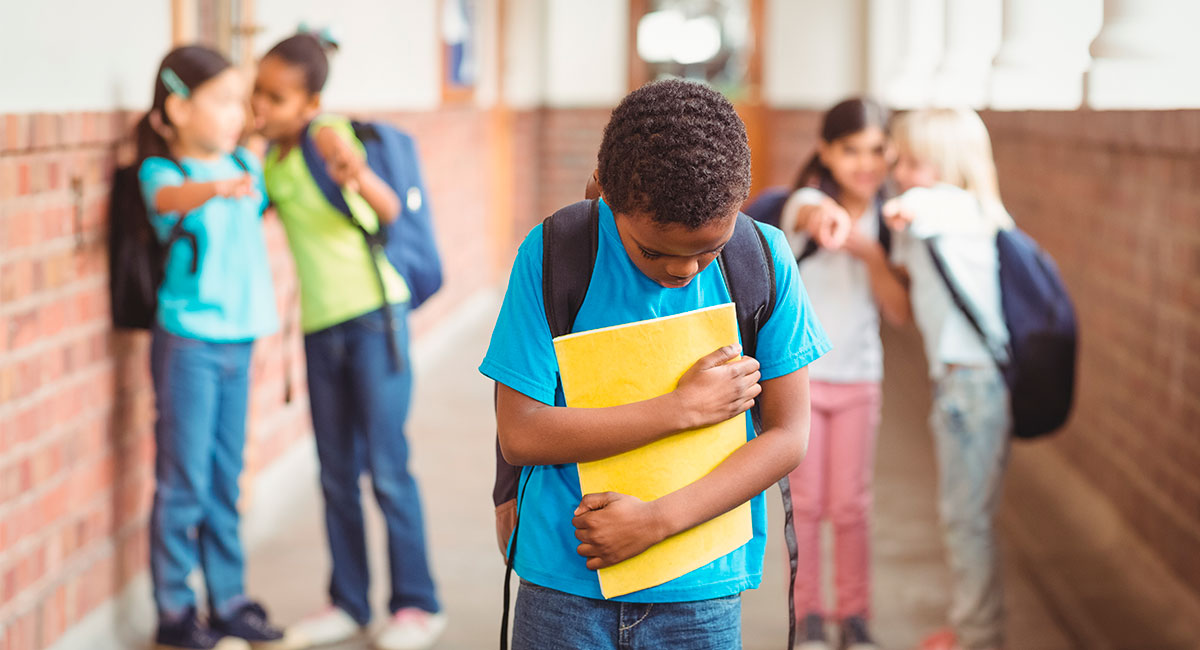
67, 55
815, 52
586, 55
389, 56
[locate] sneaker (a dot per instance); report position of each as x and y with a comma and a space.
333, 625
249, 622
855, 635
943, 639
411, 628
190, 633
812, 633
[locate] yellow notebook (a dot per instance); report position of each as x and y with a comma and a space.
629, 363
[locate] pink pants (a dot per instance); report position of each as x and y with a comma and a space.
834, 482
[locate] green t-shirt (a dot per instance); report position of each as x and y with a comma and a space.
336, 281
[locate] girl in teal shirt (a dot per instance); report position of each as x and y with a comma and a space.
215, 299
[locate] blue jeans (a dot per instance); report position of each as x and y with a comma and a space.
200, 391
547, 619
359, 402
971, 425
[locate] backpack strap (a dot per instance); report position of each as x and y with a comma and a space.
374, 240
568, 236
998, 354
749, 274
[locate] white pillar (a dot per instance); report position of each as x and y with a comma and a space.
1146, 56
972, 38
1043, 54
922, 36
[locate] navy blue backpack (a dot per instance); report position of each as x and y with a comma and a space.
1043, 333
408, 242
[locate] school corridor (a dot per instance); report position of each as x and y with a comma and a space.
1093, 107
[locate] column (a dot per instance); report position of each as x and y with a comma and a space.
1043, 54
972, 39
1146, 56
909, 82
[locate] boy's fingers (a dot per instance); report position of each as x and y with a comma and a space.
593, 501
744, 366
719, 356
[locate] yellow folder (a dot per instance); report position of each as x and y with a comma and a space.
630, 363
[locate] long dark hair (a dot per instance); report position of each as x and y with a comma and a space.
191, 66
846, 118
309, 51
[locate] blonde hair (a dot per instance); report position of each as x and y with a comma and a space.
956, 143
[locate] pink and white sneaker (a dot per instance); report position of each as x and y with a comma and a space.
411, 628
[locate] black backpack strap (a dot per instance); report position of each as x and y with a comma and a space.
749, 271
956, 294
568, 236
749, 274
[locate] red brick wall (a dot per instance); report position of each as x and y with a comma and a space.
76, 405
1115, 198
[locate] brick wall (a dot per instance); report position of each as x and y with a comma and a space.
76, 405
1115, 198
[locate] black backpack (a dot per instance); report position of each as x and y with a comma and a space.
136, 258
767, 208
571, 235
1038, 363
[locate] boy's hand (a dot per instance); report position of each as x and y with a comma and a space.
896, 215
235, 188
717, 388
613, 527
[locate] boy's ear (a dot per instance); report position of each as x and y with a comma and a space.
593, 189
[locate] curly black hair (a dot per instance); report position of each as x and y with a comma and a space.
676, 151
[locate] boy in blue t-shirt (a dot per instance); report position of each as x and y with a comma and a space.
674, 167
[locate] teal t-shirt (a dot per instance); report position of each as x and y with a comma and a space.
230, 296
521, 356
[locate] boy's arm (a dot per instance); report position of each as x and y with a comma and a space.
612, 527
715, 389
349, 169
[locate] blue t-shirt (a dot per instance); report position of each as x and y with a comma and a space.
230, 296
521, 356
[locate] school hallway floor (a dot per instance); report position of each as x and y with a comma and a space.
451, 430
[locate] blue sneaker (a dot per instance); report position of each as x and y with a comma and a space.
249, 622
188, 632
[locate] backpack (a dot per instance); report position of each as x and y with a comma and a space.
571, 235
1038, 364
767, 208
408, 242
136, 258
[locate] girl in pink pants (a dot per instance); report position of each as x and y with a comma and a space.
833, 223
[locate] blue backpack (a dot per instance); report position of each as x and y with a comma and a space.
1038, 363
408, 242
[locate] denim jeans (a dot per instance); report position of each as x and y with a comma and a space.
971, 425
359, 402
200, 392
547, 619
